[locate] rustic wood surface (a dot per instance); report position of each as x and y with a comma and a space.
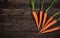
16, 20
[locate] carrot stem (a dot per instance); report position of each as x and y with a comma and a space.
42, 3
58, 12
58, 19
32, 4
52, 2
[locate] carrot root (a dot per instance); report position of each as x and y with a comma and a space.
51, 30
41, 14
44, 19
35, 17
50, 19
50, 24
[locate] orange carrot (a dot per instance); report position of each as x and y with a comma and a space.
50, 24
41, 14
44, 19
50, 19
51, 30
35, 17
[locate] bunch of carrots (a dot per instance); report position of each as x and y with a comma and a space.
43, 17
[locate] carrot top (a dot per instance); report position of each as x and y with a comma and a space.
52, 2
58, 12
58, 19
32, 2
42, 3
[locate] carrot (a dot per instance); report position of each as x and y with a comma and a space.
41, 14
56, 13
51, 30
35, 17
48, 21
50, 24
44, 19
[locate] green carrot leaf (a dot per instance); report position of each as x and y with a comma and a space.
58, 12
58, 19
52, 2
42, 3
32, 2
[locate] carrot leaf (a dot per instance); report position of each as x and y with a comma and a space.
32, 2
58, 12
52, 2
42, 3
58, 19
